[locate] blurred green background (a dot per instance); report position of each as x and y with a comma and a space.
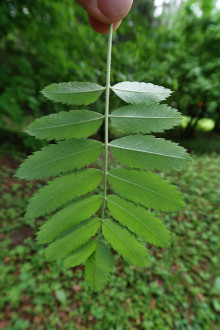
173, 43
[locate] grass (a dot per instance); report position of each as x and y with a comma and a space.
179, 290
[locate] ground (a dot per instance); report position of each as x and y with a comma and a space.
178, 290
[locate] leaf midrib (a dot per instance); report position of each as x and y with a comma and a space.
64, 125
78, 92
134, 91
143, 117
95, 280
148, 152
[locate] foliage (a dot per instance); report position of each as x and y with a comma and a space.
60, 158
179, 49
37, 44
143, 152
178, 289
141, 187
68, 125
198, 62
147, 118
77, 93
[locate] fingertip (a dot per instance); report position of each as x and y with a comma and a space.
114, 10
101, 27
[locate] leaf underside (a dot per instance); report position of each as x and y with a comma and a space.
145, 118
148, 152
78, 93
140, 92
66, 125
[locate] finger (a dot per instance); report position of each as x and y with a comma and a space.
101, 27
107, 11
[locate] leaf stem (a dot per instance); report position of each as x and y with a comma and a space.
108, 74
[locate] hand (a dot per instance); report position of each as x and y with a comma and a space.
101, 13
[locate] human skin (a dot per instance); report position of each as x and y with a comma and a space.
101, 13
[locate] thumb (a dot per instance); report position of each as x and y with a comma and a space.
101, 13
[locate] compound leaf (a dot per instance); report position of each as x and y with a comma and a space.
68, 217
148, 152
140, 92
125, 243
60, 158
76, 92
98, 267
145, 188
139, 221
72, 239
66, 125
145, 118
81, 255
70, 232
62, 190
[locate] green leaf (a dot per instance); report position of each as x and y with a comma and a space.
98, 267
125, 243
66, 125
136, 92
216, 305
216, 287
139, 221
148, 152
72, 239
145, 118
68, 217
145, 188
60, 158
62, 190
78, 93
81, 255
61, 296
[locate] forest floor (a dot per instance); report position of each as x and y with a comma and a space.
179, 290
